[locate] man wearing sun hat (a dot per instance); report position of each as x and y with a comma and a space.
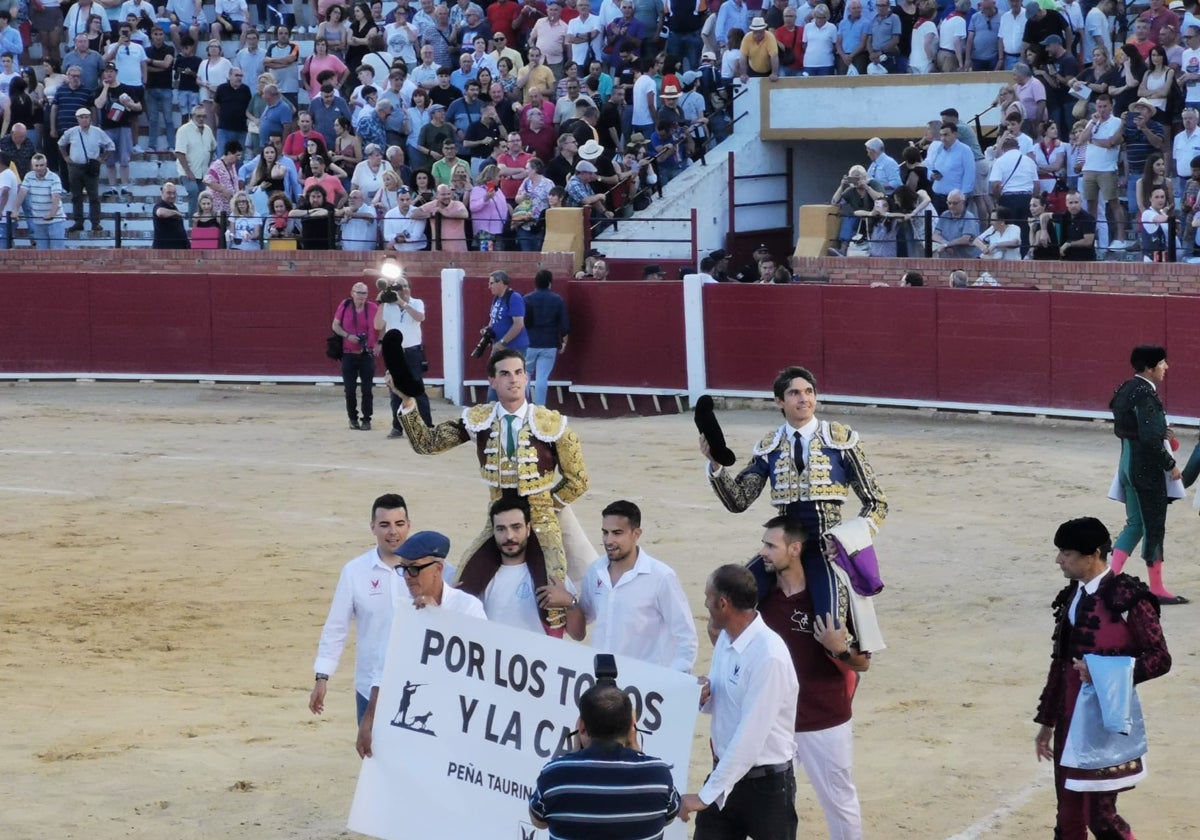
760, 53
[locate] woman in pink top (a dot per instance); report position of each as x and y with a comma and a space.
489, 209
319, 62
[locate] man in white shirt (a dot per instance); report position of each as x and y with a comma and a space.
1012, 33
636, 601
751, 692
1098, 30
1013, 181
1104, 134
585, 34
401, 311
423, 566
363, 597
508, 573
402, 230
1184, 147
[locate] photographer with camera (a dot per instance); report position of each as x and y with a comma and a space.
399, 310
354, 321
608, 788
506, 321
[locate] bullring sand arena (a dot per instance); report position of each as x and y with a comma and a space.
169, 553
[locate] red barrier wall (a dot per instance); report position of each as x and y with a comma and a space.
627, 334
1025, 348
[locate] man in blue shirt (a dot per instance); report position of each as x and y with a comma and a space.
608, 789
548, 327
951, 166
274, 116
852, 38
506, 319
883, 169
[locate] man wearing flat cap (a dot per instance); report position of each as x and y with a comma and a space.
83, 147
1107, 633
422, 559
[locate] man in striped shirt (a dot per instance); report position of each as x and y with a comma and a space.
608, 789
48, 222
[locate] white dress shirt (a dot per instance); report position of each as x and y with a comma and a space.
753, 706
645, 615
805, 433
1015, 172
363, 597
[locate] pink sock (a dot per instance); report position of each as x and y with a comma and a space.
1118, 560
1156, 581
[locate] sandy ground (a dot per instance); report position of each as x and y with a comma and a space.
169, 553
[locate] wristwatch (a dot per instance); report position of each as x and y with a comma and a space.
844, 656
320, 677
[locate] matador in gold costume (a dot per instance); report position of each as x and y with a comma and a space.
524, 449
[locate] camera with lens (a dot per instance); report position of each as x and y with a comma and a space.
362, 341
485, 342
387, 292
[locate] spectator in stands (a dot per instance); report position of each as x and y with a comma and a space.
853, 34
1158, 16
1154, 176
443, 170
282, 60
952, 39
951, 166
324, 111
347, 149
1043, 232
1011, 34
561, 166
371, 127
314, 215
1104, 133
206, 227
912, 278
436, 134
538, 137
535, 76
1013, 181
195, 146
580, 194
883, 171
119, 105
328, 176
245, 227
1002, 240
232, 100
42, 189
530, 227
760, 54
1185, 146
368, 173
955, 229
883, 40
222, 180
83, 147
549, 327
320, 61
732, 15
1078, 231
511, 162
403, 226
447, 217
923, 40
359, 223
489, 210
983, 44
1056, 74
1031, 93
853, 194
484, 138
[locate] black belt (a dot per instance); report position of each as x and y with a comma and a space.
767, 770
1013, 55
1018, 195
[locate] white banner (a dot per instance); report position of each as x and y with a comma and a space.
470, 711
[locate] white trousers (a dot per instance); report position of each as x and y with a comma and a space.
827, 757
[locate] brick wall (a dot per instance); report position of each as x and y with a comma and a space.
284, 263
1122, 277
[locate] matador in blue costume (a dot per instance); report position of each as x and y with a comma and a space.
811, 466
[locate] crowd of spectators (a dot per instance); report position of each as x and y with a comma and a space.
456, 126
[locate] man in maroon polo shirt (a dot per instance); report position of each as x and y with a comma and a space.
827, 661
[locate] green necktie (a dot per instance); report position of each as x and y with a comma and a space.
511, 440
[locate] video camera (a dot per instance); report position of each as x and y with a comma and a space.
387, 292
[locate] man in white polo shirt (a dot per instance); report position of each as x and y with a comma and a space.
636, 601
